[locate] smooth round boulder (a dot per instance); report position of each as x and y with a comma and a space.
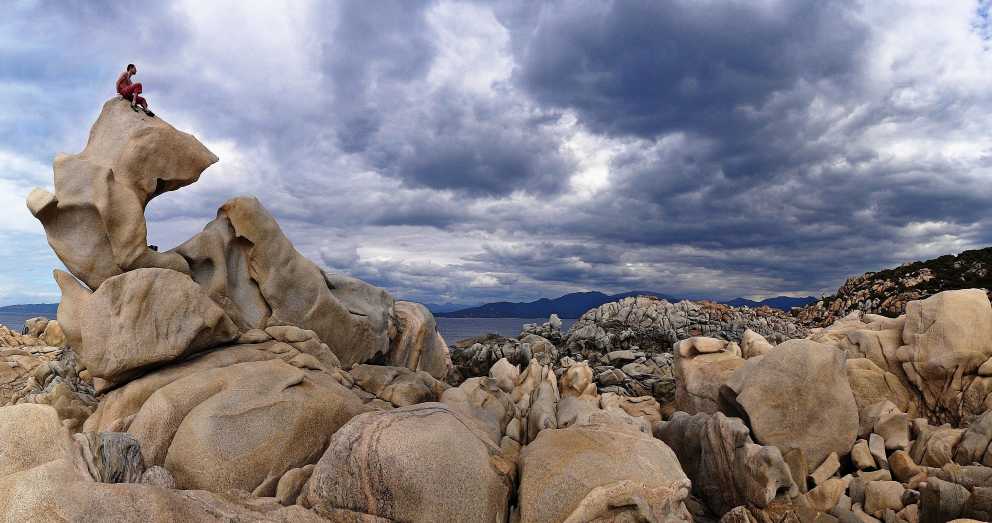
798, 396
422, 463
583, 473
242, 426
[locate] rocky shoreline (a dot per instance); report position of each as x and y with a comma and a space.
231, 379
888, 291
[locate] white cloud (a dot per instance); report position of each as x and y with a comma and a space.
473, 47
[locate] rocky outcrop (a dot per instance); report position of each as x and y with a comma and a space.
928, 362
702, 368
46, 474
35, 367
120, 335
629, 344
474, 357
10, 339
946, 337
652, 324
888, 291
225, 364
549, 330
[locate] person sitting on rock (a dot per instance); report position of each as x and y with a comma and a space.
132, 91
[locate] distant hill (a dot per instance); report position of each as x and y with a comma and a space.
784, 303
439, 308
568, 306
577, 303
40, 309
886, 292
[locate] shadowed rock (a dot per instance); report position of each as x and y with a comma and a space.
726, 467
246, 264
140, 319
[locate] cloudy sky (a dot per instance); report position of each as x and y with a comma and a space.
473, 151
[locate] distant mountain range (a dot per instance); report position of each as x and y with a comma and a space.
784, 303
438, 308
41, 309
577, 303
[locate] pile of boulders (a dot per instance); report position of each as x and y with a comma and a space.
873, 418
36, 367
627, 343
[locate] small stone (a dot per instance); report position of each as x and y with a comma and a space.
861, 456
826, 496
513, 429
870, 414
893, 427
876, 444
902, 466
826, 470
910, 497
856, 489
843, 503
611, 377
910, 513
883, 495
875, 475
158, 477
619, 356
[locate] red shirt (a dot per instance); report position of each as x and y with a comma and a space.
123, 81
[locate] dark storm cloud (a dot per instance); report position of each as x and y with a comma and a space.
479, 147
475, 151
646, 67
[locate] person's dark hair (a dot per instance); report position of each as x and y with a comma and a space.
129, 67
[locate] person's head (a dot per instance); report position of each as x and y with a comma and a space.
132, 69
